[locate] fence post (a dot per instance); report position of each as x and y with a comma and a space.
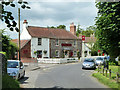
109, 73
117, 77
106, 73
103, 71
98, 68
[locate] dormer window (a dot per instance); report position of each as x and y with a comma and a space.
56, 42
39, 41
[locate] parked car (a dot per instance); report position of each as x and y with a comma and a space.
89, 63
100, 60
15, 69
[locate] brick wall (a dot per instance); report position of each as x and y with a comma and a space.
26, 50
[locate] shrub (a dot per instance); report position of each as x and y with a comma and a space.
9, 82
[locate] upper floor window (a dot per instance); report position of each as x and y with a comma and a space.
56, 42
75, 42
39, 41
57, 53
75, 53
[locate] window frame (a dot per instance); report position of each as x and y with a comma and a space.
75, 43
57, 43
74, 53
58, 53
39, 41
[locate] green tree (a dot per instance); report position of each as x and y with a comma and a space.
59, 27
7, 46
89, 30
108, 27
6, 15
79, 30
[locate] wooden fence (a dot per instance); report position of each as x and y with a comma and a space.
107, 72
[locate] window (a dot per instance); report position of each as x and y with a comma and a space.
75, 53
39, 41
57, 42
75, 42
57, 53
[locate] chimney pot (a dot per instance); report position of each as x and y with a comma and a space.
73, 28
25, 21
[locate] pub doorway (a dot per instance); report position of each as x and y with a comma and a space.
39, 54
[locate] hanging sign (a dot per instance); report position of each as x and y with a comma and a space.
83, 38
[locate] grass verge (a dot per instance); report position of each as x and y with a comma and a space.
106, 81
9, 82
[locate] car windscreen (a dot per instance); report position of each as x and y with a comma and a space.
88, 60
11, 64
99, 58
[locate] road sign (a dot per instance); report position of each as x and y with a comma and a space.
83, 37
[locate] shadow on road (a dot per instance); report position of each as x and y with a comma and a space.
22, 80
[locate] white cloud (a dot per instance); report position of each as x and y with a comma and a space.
45, 14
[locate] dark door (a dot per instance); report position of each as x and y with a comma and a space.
39, 54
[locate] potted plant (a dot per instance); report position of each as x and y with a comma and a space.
45, 51
35, 52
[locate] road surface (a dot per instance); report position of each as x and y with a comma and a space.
62, 76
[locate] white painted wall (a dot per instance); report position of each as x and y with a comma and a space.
43, 46
25, 35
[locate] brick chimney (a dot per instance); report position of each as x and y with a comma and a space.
73, 28
25, 22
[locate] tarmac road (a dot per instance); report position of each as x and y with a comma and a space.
61, 76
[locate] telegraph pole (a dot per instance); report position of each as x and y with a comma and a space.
19, 32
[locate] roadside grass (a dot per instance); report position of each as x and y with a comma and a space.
114, 70
105, 80
9, 82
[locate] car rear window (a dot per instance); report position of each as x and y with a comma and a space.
11, 64
99, 58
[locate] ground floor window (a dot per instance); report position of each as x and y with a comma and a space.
57, 53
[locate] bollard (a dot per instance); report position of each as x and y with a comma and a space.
109, 73
103, 71
106, 73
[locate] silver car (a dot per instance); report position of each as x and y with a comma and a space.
99, 60
15, 69
89, 63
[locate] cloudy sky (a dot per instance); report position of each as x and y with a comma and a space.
48, 13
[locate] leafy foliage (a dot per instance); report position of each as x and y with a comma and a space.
108, 27
7, 46
7, 16
89, 30
59, 27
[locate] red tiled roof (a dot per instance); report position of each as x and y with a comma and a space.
50, 33
91, 39
22, 43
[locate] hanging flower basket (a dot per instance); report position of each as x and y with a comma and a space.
35, 52
45, 51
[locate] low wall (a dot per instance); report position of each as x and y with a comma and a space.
57, 60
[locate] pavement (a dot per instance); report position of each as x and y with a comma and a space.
35, 66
